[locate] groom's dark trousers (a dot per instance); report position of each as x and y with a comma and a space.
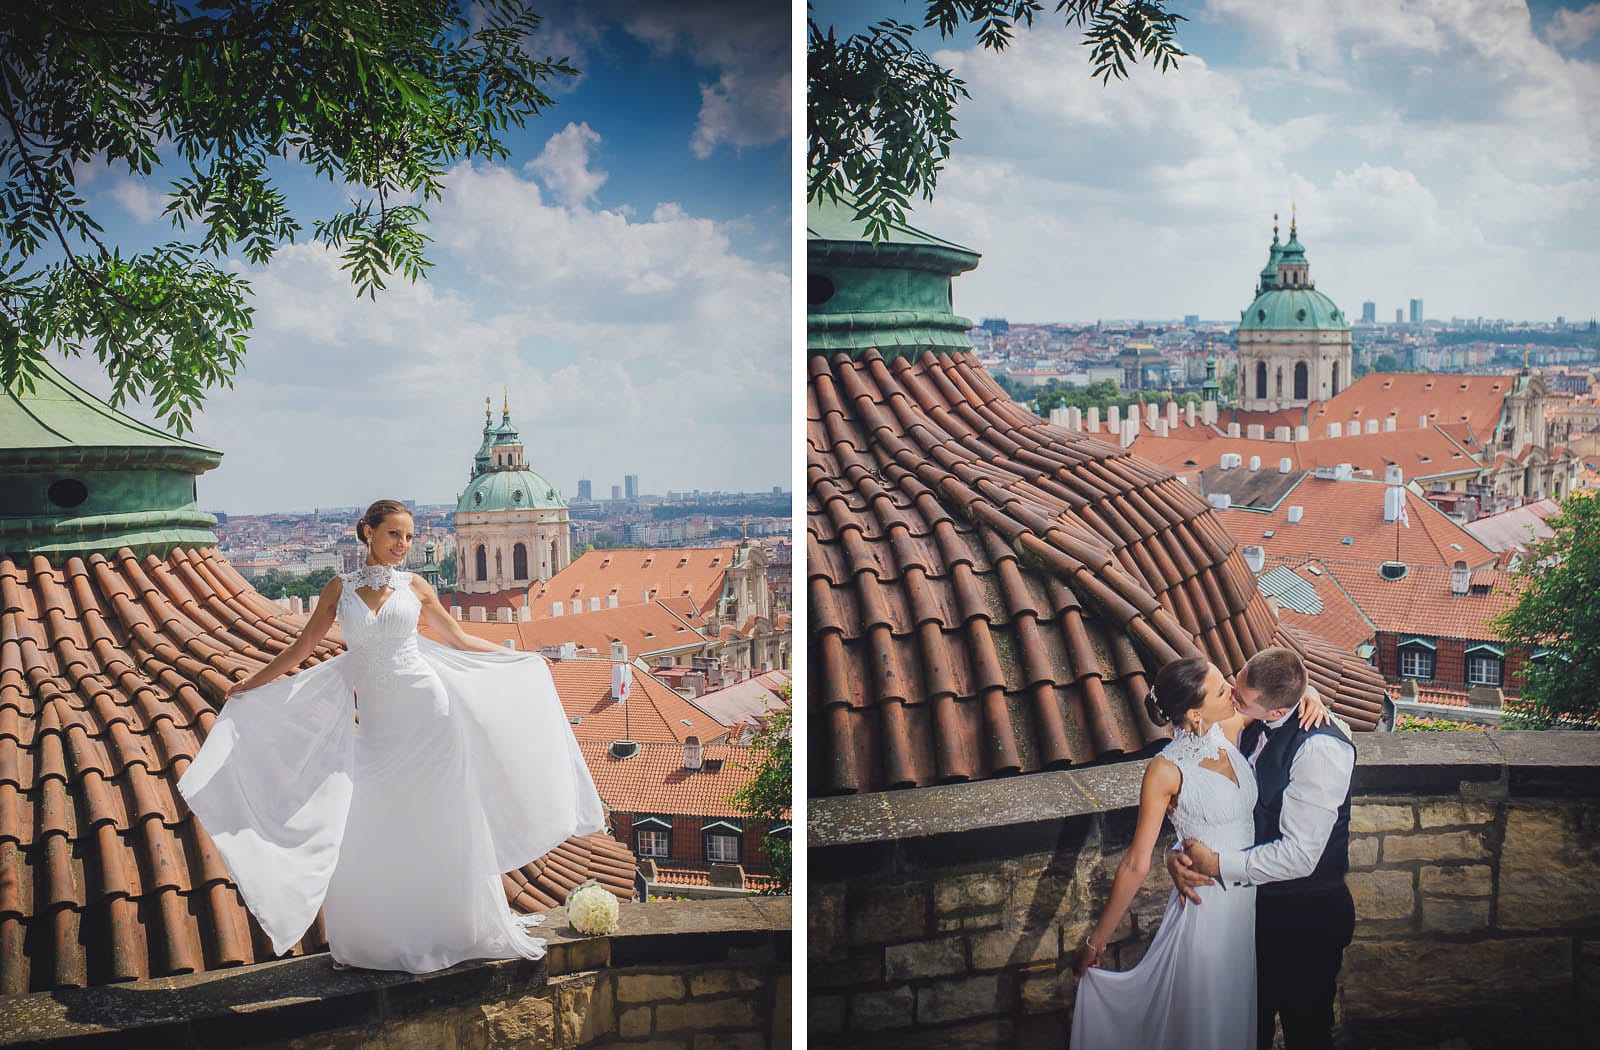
1302, 925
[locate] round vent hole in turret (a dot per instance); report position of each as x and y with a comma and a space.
819, 289
68, 492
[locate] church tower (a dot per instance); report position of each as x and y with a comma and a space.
1294, 343
511, 524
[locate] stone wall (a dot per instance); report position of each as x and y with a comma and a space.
702, 975
946, 916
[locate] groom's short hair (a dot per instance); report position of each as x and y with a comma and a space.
1278, 675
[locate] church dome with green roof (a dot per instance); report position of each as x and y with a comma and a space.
1293, 341
509, 490
1285, 309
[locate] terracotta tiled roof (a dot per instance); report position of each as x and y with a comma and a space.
654, 712
1420, 453
742, 701
508, 599
1421, 601
108, 667
1446, 399
1517, 528
545, 883
646, 628
654, 780
1334, 511
1336, 618
665, 572
990, 595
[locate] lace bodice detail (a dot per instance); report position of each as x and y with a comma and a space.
1211, 807
392, 630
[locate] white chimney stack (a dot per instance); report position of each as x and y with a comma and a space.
693, 753
1220, 500
1151, 413
503, 614
557, 608
1172, 414
1094, 419
455, 610
1302, 433
1389, 424
1394, 502
1280, 433
479, 614
575, 606
1255, 556
1188, 413
1393, 475
611, 600
1114, 419
1372, 426
1231, 460
1335, 430
1255, 464
1353, 429
1208, 413
1257, 431
1422, 422
1058, 417
1295, 514
619, 652
1460, 578
1285, 465
1233, 430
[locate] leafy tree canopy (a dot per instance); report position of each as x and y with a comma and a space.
381, 97
1557, 613
880, 113
769, 794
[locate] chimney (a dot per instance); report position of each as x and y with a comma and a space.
1130, 431
1256, 431
1285, 465
1172, 415
558, 608
644, 595
1422, 422
503, 614
524, 614
1393, 475
1372, 426
619, 652
297, 605
1280, 433
1188, 413
1296, 512
1460, 578
455, 610
1343, 472
1389, 424
1335, 430
1255, 556
1353, 429
1208, 413
1233, 430
1094, 419
311, 603
693, 754
1255, 464
1114, 419
575, 606
1230, 460
611, 600
1219, 500
479, 614
1394, 503
1058, 418
1302, 433
594, 603
1151, 414
1161, 428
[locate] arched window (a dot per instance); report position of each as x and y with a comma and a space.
1336, 377
553, 556
481, 563
519, 562
1302, 379
1261, 379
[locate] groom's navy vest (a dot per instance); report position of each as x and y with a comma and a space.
1272, 776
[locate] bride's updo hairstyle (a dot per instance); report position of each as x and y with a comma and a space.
375, 515
1180, 687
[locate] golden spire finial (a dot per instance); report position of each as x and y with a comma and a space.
1294, 218
505, 405
487, 410
1274, 227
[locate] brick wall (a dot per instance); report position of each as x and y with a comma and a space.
1473, 871
688, 841
1450, 662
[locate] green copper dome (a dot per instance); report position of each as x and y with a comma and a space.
1289, 309
509, 490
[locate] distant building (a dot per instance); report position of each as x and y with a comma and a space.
1191, 320
630, 484
616, 492
585, 490
1294, 343
1416, 311
511, 525
1369, 312
1399, 316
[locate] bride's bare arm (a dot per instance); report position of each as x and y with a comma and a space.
314, 631
440, 620
1161, 783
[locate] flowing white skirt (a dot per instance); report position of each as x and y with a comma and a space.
463, 767
1195, 989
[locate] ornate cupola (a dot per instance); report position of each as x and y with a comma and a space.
1294, 342
890, 294
511, 524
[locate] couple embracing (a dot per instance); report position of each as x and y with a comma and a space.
1257, 783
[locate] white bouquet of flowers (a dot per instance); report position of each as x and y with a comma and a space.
592, 909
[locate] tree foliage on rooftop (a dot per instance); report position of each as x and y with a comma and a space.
381, 97
1557, 613
880, 113
769, 794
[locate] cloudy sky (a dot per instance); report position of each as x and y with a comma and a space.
1441, 149
625, 274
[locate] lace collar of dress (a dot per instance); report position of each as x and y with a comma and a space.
376, 577
1195, 747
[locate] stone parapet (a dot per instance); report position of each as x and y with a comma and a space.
703, 975
946, 916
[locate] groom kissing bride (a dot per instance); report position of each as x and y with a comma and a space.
1261, 860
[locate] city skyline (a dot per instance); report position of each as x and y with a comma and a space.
1447, 153
624, 274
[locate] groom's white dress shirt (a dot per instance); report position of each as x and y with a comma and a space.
1319, 777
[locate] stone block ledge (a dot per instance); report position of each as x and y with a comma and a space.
288, 1000
1043, 811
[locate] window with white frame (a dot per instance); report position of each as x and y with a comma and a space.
654, 843
1416, 662
1484, 669
722, 849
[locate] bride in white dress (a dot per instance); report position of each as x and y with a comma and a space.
1195, 988
398, 825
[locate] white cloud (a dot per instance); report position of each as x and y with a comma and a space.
136, 198
563, 164
1571, 29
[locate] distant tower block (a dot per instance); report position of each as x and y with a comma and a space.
1294, 342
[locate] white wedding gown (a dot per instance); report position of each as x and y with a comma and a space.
463, 766
1195, 988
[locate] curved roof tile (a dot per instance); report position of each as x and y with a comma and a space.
990, 595
107, 669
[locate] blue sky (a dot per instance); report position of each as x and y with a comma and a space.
625, 273
1442, 149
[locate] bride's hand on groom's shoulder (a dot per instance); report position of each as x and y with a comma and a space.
1313, 712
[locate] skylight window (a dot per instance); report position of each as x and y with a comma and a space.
1348, 541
